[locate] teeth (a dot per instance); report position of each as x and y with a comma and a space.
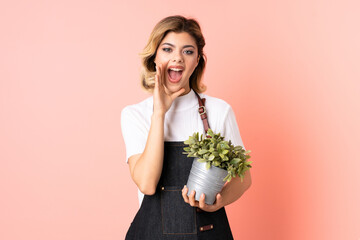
175, 69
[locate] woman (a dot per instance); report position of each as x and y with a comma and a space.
154, 131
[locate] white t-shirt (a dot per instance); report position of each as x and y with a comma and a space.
181, 121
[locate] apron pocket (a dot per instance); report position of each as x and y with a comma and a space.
178, 217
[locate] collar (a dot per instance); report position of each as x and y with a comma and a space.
184, 102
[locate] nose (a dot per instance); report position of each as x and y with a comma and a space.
177, 57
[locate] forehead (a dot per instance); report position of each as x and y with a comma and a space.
179, 39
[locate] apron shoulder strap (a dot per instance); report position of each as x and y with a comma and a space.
202, 112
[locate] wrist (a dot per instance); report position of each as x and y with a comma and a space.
158, 115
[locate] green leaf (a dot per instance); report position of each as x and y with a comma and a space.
227, 178
216, 163
238, 148
248, 164
244, 170
241, 177
225, 151
208, 165
188, 149
203, 151
235, 161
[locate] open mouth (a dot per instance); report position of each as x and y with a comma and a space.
175, 74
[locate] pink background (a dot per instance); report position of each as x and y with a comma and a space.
290, 69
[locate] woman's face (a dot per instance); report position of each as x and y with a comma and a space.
177, 55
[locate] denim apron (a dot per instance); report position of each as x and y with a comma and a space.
165, 215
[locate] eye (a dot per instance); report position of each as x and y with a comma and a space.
166, 49
188, 52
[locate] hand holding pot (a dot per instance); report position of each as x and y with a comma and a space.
201, 203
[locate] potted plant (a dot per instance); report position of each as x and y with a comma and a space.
216, 161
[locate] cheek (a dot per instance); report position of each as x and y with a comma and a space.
160, 58
193, 65
157, 58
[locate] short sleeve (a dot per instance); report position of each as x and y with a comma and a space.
231, 130
134, 131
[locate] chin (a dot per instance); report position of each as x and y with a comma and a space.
174, 87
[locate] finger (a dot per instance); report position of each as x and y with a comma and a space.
202, 203
158, 72
163, 73
184, 194
217, 204
218, 201
156, 78
167, 90
218, 198
192, 199
214, 207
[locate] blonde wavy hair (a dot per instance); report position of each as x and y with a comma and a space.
176, 24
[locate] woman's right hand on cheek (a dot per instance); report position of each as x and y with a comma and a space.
162, 97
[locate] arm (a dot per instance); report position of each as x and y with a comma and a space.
232, 190
145, 168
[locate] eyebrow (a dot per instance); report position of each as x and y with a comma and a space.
172, 45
